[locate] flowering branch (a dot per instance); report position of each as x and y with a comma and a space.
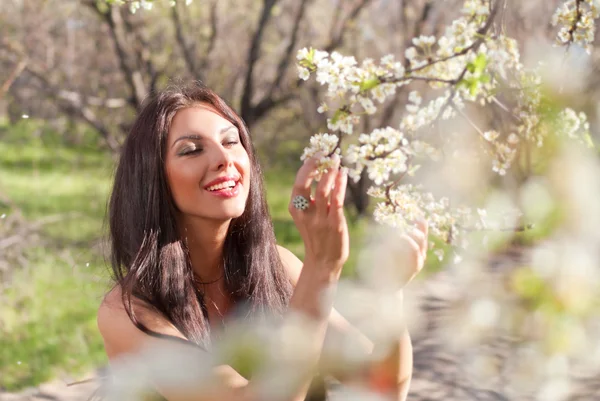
577, 18
468, 65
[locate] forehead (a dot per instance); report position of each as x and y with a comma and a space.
200, 119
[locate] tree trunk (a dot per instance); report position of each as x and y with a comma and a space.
358, 194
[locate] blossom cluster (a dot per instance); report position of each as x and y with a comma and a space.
466, 65
409, 203
577, 21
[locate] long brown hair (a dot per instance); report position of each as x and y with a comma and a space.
149, 260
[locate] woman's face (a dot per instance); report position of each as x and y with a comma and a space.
207, 168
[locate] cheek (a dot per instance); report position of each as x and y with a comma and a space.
245, 167
183, 182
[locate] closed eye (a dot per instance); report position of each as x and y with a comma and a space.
231, 143
187, 152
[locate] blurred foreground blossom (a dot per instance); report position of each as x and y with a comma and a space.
526, 321
276, 355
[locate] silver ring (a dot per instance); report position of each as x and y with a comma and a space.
300, 202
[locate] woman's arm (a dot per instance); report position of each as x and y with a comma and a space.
122, 337
393, 372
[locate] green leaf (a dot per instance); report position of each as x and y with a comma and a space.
480, 63
587, 138
369, 84
337, 115
413, 169
306, 64
528, 284
473, 88
477, 66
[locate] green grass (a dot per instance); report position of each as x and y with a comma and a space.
48, 309
48, 318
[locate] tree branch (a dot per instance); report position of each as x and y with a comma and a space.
267, 105
133, 76
213, 35
143, 55
252, 113
247, 111
188, 50
288, 54
336, 17
73, 105
338, 39
194, 66
578, 16
19, 68
474, 46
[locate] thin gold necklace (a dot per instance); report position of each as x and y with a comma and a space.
197, 279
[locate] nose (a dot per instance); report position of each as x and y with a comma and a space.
222, 158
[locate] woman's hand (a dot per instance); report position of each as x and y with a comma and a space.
322, 225
414, 250
393, 257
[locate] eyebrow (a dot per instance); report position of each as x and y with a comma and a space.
199, 138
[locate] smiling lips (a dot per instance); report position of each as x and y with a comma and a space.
227, 187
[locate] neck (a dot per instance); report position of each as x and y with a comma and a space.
205, 240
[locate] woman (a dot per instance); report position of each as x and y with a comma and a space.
192, 238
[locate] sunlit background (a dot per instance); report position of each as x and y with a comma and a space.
514, 316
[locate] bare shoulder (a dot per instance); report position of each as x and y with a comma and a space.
291, 263
119, 333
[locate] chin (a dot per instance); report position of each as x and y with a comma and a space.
229, 214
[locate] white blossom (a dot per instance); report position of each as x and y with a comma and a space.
303, 73
320, 143
577, 22
491, 135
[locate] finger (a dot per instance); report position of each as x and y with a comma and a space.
325, 186
303, 181
415, 249
423, 225
306, 175
419, 237
338, 195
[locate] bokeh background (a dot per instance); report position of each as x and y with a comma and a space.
73, 73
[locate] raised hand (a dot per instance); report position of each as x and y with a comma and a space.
320, 219
415, 250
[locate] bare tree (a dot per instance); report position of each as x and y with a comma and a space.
132, 55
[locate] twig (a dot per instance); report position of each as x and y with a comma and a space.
391, 186
573, 27
19, 68
500, 104
29, 228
